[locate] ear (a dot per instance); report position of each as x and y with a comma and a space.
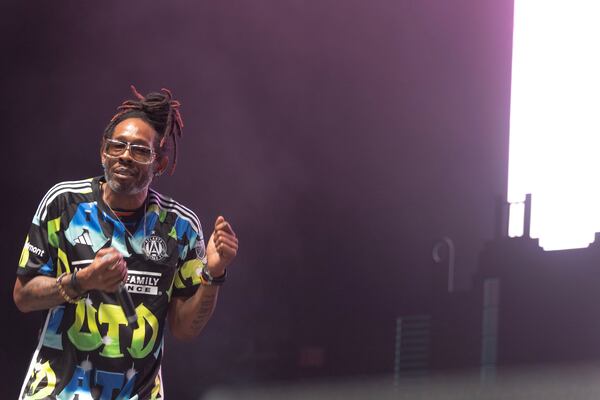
160, 165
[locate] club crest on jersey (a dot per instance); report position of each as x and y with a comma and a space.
154, 248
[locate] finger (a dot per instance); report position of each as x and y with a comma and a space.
219, 235
224, 227
124, 272
228, 241
114, 280
219, 220
108, 250
103, 251
113, 287
110, 258
123, 268
118, 268
226, 251
112, 263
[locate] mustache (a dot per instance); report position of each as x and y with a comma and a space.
123, 170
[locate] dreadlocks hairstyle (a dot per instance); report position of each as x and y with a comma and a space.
157, 109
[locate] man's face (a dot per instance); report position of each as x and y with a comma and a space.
123, 174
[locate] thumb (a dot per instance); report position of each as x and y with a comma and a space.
219, 220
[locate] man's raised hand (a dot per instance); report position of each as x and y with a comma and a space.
222, 247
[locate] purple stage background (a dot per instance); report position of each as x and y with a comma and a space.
341, 138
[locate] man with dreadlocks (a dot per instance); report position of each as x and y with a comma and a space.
92, 240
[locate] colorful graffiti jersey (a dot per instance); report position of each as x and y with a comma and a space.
88, 350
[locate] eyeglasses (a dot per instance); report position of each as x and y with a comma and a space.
140, 153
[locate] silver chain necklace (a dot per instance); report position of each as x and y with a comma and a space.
119, 219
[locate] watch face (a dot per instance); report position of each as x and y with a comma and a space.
154, 248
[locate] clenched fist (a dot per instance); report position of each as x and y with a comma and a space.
105, 273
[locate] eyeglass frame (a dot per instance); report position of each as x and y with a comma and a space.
128, 146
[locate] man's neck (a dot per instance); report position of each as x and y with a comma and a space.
123, 201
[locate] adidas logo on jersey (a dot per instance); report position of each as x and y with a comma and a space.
84, 238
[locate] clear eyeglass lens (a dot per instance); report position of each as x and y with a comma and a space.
141, 153
115, 148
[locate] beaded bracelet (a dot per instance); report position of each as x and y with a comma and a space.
62, 291
208, 280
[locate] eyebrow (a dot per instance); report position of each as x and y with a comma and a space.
136, 141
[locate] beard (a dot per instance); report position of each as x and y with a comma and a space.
138, 181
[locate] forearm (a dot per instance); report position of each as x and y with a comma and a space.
188, 317
40, 293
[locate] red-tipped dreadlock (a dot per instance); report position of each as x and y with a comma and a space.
159, 110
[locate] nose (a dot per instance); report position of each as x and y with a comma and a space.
126, 155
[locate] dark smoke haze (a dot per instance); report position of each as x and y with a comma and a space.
341, 138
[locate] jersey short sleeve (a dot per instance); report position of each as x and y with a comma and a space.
40, 252
192, 259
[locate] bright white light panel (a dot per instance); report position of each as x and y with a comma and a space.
555, 121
